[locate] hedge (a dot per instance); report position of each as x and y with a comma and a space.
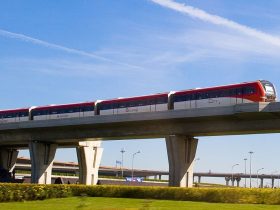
21, 192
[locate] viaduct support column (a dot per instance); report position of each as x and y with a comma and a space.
8, 158
89, 156
261, 183
181, 152
42, 156
227, 180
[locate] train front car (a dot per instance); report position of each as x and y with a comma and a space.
150, 103
63, 111
15, 115
268, 90
227, 95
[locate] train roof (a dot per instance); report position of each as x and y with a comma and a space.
134, 98
14, 110
54, 106
217, 87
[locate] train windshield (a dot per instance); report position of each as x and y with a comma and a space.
269, 90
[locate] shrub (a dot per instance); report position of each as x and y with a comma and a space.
20, 192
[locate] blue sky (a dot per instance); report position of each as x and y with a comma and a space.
69, 51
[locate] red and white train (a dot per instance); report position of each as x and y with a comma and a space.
248, 92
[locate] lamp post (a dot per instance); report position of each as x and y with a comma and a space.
132, 164
122, 151
196, 160
258, 176
251, 168
232, 172
245, 172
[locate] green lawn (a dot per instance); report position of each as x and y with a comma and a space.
87, 203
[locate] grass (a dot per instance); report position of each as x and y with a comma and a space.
97, 203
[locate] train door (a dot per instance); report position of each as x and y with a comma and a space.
239, 95
193, 101
153, 105
115, 108
233, 97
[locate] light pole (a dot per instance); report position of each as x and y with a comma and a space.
122, 151
258, 176
232, 172
251, 168
132, 163
196, 160
245, 172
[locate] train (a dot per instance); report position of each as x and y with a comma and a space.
227, 95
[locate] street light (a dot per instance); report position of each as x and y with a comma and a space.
196, 160
122, 151
245, 159
251, 168
132, 163
258, 176
232, 172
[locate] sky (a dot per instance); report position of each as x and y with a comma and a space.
54, 52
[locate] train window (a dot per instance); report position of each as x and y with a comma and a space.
122, 105
106, 106
140, 103
249, 90
23, 114
102, 106
53, 111
222, 93
193, 96
87, 108
239, 91
232, 92
202, 95
161, 100
214, 94
39, 112
179, 98
10, 115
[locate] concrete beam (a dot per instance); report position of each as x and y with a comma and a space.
8, 158
42, 156
181, 152
89, 156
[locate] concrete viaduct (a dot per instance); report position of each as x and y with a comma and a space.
178, 127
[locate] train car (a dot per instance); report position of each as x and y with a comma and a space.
257, 91
149, 103
15, 115
63, 111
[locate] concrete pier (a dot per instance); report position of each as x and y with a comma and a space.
8, 158
89, 156
181, 152
42, 156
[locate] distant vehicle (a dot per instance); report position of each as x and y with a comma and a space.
248, 92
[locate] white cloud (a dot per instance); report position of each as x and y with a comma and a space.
32, 40
217, 20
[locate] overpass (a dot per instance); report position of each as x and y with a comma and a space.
72, 168
178, 127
